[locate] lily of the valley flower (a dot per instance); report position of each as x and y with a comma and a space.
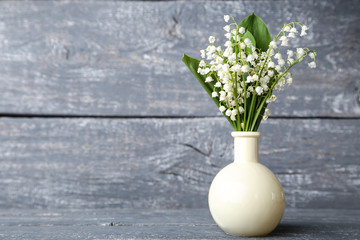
241, 74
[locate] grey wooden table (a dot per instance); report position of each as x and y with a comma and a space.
101, 122
168, 224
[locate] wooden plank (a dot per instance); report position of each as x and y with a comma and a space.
124, 58
167, 224
168, 163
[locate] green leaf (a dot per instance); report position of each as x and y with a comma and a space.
259, 30
248, 35
193, 65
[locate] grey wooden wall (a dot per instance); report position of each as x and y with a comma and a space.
98, 111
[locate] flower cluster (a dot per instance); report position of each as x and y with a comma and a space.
244, 77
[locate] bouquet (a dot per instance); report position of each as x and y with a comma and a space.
241, 77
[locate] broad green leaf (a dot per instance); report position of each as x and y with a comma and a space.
248, 35
193, 65
259, 30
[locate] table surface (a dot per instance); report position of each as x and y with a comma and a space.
167, 224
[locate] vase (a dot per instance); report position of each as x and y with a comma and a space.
245, 197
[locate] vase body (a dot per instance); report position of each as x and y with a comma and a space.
245, 197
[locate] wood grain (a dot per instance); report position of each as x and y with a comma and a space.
168, 163
124, 58
167, 224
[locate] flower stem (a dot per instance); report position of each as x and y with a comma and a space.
272, 87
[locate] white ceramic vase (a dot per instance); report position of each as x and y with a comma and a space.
245, 197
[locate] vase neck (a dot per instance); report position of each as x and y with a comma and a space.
246, 146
